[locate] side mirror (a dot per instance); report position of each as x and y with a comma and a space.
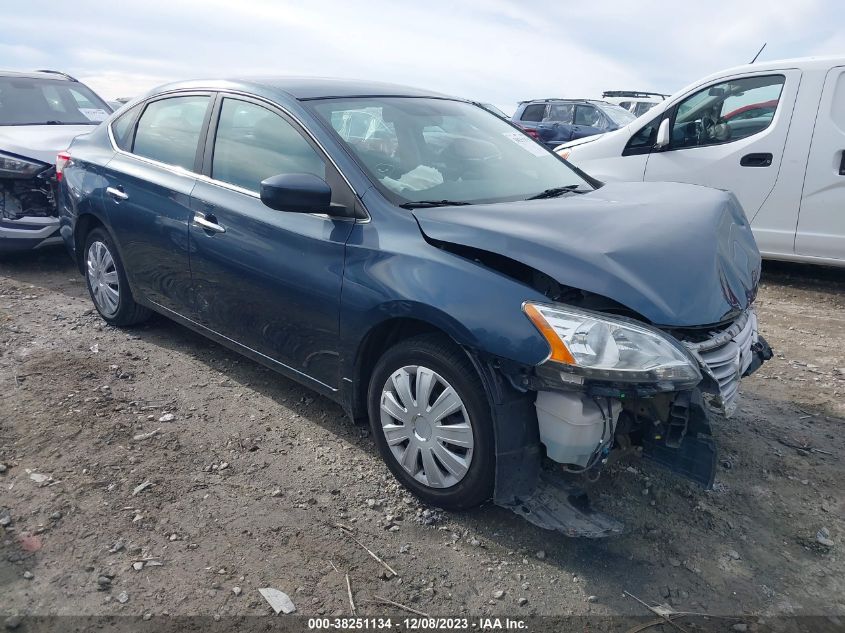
298, 193
663, 136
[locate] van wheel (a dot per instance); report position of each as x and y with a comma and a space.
431, 421
107, 283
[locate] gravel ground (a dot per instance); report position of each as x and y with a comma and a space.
152, 471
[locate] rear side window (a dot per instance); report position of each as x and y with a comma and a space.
561, 112
534, 112
642, 107
254, 143
169, 130
122, 128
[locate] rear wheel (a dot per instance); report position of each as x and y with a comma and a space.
107, 283
431, 421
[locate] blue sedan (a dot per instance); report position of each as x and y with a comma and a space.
488, 307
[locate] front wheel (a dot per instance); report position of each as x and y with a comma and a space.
431, 421
106, 281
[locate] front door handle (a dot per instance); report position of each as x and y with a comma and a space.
117, 193
756, 160
842, 164
208, 223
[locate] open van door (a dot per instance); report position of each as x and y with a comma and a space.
821, 221
730, 134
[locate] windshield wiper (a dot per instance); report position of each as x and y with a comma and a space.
554, 192
424, 204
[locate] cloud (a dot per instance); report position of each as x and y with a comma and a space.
499, 51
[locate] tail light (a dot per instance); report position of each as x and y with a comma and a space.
62, 159
532, 133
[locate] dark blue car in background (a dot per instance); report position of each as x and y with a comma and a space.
556, 121
423, 262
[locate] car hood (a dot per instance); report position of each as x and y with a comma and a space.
588, 139
679, 255
40, 142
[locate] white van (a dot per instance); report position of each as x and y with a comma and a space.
772, 132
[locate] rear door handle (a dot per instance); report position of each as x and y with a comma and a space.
117, 193
756, 160
208, 223
842, 164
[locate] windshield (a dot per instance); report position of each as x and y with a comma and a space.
420, 149
620, 116
27, 101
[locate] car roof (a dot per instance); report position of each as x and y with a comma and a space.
37, 74
555, 100
305, 88
803, 63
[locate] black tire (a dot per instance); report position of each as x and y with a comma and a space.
127, 311
441, 355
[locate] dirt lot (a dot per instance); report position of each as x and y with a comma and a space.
251, 473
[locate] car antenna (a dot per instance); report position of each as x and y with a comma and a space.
758, 53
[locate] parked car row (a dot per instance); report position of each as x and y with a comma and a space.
415, 257
556, 121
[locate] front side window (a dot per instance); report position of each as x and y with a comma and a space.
619, 116
37, 101
726, 111
534, 112
643, 140
169, 130
431, 150
254, 143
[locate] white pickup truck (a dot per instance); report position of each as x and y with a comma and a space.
773, 133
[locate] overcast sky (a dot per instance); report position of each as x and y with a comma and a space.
500, 51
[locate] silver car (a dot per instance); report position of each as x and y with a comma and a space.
40, 113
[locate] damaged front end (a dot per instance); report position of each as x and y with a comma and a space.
613, 385
28, 214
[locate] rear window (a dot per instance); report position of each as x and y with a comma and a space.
534, 112
25, 101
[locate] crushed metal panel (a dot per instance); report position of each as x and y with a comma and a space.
726, 357
555, 504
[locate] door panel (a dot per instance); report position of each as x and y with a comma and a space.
717, 160
267, 279
821, 222
148, 195
271, 281
152, 222
588, 122
556, 126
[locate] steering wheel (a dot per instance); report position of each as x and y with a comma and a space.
708, 128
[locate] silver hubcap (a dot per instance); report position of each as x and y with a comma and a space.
103, 279
426, 426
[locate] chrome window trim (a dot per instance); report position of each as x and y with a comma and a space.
254, 194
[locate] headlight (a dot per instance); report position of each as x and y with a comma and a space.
14, 167
607, 348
